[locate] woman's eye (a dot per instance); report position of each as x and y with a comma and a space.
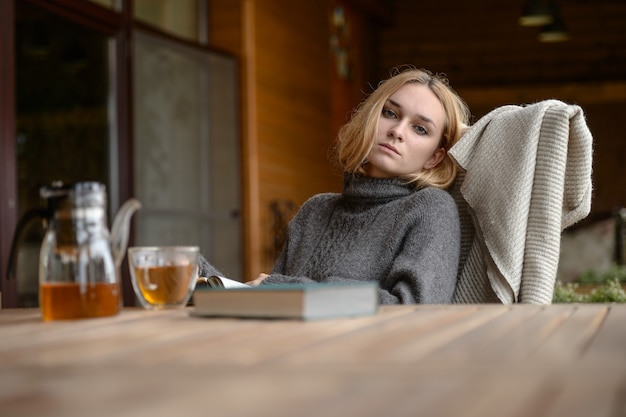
420, 130
388, 113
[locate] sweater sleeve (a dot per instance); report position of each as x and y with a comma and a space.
277, 275
425, 269
205, 269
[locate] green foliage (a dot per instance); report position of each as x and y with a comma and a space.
566, 293
610, 291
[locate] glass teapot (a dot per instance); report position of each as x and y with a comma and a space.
79, 261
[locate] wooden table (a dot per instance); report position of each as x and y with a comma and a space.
473, 360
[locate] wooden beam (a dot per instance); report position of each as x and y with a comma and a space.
251, 210
596, 93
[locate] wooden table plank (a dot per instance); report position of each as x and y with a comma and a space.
609, 345
468, 348
171, 337
571, 337
590, 393
407, 338
309, 392
522, 340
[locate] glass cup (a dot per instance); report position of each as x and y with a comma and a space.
163, 276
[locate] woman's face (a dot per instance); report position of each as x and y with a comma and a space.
409, 132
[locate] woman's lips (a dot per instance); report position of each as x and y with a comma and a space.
390, 147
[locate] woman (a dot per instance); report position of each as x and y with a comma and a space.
393, 223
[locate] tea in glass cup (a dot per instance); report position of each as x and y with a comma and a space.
163, 276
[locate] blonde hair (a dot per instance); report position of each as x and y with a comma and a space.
356, 138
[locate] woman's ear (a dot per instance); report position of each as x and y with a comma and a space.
435, 159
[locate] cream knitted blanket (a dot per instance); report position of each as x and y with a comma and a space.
527, 176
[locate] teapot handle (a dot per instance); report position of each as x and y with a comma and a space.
121, 229
27, 218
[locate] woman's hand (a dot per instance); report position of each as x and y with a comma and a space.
256, 282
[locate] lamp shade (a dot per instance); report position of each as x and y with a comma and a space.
536, 13
554, 32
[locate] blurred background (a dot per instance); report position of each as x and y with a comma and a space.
219, 115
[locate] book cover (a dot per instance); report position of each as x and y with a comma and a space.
290, 301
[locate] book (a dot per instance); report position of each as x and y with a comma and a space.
288, 301
219, 282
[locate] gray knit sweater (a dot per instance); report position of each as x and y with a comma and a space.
377, 230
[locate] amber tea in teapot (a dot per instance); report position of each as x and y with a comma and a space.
61, 301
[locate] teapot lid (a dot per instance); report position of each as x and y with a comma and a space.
80, 194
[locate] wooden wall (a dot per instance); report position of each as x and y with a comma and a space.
287, 122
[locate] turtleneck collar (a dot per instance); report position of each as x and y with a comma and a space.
359, 187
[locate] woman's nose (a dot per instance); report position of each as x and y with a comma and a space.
396, 131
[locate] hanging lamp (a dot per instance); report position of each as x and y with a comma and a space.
536, 13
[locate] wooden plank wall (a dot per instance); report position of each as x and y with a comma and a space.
293, 109
287, 129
